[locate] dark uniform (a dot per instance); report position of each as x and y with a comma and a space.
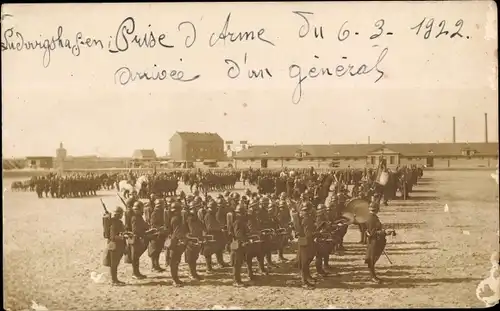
155, 245
240, 234
138, 245
376, 242
323, 248
255, 250
214, 227
306, 244
284, 220
116, 246
195, 229
177, 242
265, 223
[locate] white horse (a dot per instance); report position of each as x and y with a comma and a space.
126, 188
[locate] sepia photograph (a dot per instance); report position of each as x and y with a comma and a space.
250, 155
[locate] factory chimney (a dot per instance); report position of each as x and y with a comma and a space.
485, 127
368, 140
454, 137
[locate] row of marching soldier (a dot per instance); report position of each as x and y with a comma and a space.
251, 226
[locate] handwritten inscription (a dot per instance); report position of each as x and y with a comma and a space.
429, 28
15, 41
227, 36
126, 33
125, 75
185, 35
300, 75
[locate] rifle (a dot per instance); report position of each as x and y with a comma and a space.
121, 199
105, 209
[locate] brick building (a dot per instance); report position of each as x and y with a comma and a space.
196, 147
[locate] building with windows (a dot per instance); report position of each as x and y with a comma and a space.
443, 155
190, 147
39, 162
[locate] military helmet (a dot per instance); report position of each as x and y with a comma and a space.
118, 211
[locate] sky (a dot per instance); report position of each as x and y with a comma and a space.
76, 100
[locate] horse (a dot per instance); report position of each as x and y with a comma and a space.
141, 187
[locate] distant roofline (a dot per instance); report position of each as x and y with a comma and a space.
373, 144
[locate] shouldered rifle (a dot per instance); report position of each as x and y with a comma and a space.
123, 201
106, 212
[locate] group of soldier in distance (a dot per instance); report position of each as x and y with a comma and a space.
289, 205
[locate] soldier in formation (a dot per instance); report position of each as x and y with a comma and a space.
250, 226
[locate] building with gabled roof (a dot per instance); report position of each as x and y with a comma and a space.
196, 147
144, 154
361, 155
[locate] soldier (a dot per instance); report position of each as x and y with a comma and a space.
176, 242
284, 220
214, 228
155, 246
150, 205
255, 251
323, 247
139, 242
306, 244
376, 240
265, 223
240, 234
195, 230
116, 244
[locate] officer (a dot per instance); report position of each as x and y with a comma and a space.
376, 240
214, 228
306, 244
176, 242
116, 244
156, 243
240, 234
138, 243
195, 230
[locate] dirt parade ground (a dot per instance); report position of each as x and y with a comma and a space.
439, 256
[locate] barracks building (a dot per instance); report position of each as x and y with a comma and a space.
439, 155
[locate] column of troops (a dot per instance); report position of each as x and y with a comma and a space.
56, 186
250, 226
